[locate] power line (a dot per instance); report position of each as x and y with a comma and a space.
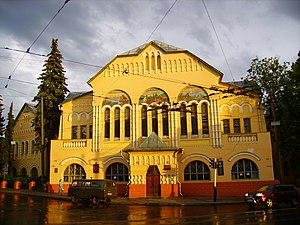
229, 90
212, 24
161, 20
28, 49
43, 55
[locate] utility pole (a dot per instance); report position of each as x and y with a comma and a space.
42, 136
215, 180
214, 164
275, 142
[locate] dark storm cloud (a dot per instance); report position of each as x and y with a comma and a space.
95, 31
288, 8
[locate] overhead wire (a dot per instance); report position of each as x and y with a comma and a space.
160, 22
35, 40
169, 10
43, 55
130, 73
214, 29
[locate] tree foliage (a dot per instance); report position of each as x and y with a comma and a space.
289, 111
52, 89
278, 85
267, 77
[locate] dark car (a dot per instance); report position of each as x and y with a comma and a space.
98, 191
272, 195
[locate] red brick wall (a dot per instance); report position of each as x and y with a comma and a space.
197, 189
122, 189
169, 190
137, 190
237, 188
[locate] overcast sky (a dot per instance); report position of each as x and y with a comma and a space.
95, 31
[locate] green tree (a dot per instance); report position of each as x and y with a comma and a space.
289, 101
9, 135
267, 77
52, 90
2, 142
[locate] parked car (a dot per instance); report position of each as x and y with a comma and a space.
97, 191
272, 195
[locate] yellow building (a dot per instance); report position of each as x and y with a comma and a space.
26, 160
155, 117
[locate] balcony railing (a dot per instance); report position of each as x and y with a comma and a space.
242, 138
75, 144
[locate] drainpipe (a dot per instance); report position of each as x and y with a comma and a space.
127, 185
177, 174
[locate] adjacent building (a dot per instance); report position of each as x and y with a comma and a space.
155, 118
26, 159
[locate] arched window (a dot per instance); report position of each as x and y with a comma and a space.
205, 125
117, 172
152, 63
169, 66
26, 148
165, 122
194, 119
23, 172
147, 62
107, 123
196, 170
32, 147
74, 171
17, 149
154, 121
117, 123
144, 121
183, 125
23, 148
158, 62
127, 122
34, 172
244, 169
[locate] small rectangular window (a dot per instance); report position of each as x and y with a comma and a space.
74, 132
226, 126
247, 125
91, 131
236, 126
83, 132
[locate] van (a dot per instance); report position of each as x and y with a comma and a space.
97, 191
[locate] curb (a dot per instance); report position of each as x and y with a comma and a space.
181, 201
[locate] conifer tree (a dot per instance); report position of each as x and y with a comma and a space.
1, 137
9, 135
52, 90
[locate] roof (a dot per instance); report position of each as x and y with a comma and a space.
165, 47
153, 143
27, 107
74, 95
240, 84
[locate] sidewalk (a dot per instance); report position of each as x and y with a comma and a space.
182, 200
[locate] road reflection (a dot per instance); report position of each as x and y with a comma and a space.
16, 209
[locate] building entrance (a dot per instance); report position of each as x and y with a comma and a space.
153, 182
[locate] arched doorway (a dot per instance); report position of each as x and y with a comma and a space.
153, 182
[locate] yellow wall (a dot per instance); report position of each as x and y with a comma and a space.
178, 69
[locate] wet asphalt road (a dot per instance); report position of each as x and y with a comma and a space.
21, 210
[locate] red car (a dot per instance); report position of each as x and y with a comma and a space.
272, 195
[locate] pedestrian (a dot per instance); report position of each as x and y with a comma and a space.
60, 187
